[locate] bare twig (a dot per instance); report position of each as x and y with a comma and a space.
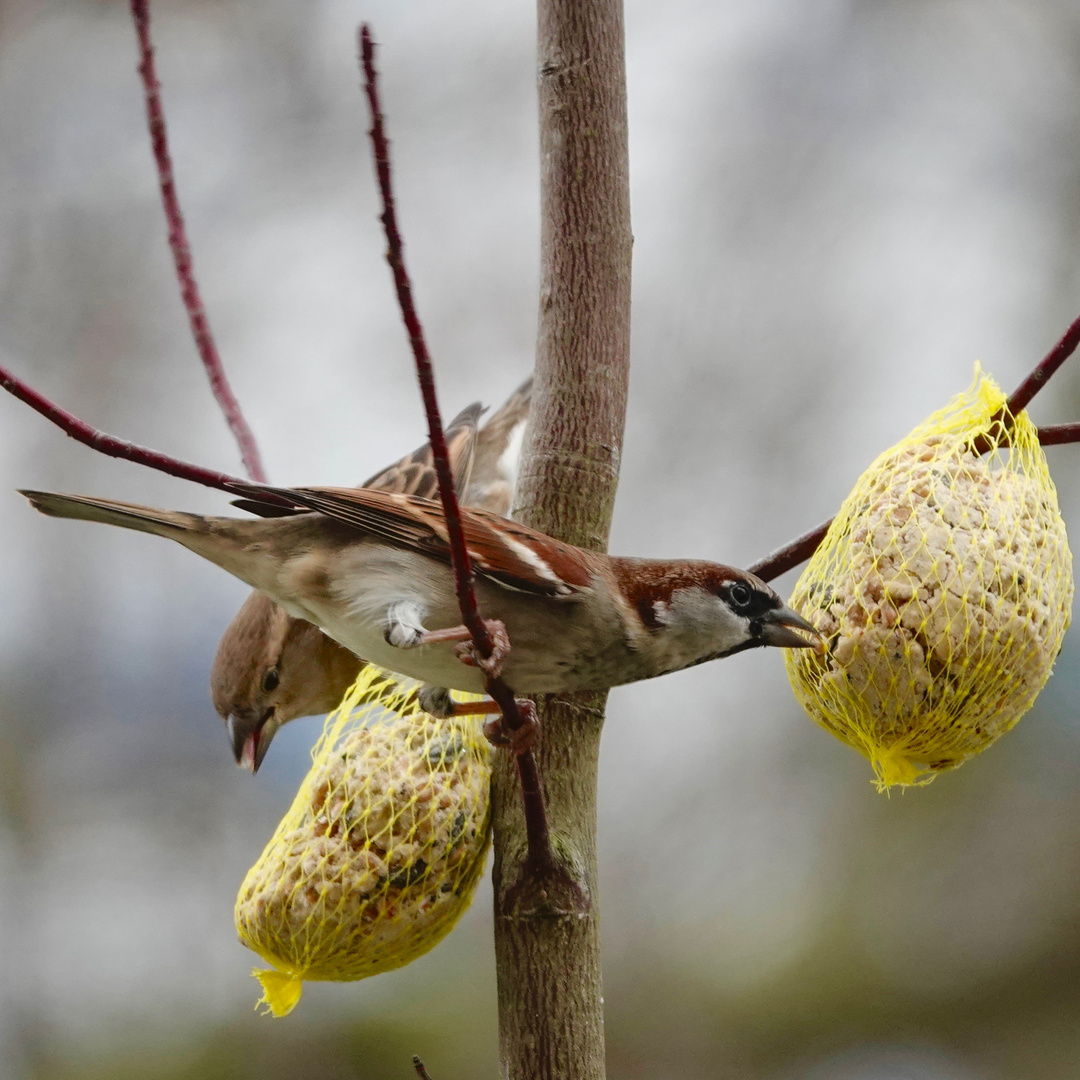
109, 444
418, 1065
181, 251
799, 550
535, 814
790, 555
1022, 395
1059, 434
395, 257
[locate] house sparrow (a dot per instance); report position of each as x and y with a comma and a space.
271, 668
372, 569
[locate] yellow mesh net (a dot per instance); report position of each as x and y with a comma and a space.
944, 588
380, 852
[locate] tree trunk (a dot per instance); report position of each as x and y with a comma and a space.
547, 932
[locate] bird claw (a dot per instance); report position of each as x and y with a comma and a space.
491, 665
517, 740
436, 701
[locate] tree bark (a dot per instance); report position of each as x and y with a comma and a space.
547, 931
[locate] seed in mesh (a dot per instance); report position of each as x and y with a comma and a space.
943, 604
391, 832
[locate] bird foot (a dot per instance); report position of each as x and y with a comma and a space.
516, 740
436, 701
451, 634
491, 665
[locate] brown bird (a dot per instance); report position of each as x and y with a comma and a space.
372, 569
271, 668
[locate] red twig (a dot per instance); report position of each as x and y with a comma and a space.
470, 615
1059, 434
418, 1065
790, 555
109, 444
535, 813
1022, 395
181, 251
799, 550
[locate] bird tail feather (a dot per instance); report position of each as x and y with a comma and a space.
110, 512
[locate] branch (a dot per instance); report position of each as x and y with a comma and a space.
1059, 434
799, 550
109, 444
790, 555
535, 814
418, 1065
1046, 367
181, 251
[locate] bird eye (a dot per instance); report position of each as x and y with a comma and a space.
271, 680
740, 594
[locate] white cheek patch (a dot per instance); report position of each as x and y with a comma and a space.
692, 625
703, 613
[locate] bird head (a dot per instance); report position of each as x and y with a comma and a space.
270, 669
691, 612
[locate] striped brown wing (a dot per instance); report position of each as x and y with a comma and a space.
503, 551
415, 473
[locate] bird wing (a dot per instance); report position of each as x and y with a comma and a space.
414, 474
498, 450
503, 551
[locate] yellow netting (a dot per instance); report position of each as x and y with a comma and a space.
944, 587
381, 850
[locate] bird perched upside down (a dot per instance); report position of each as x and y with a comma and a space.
372, 570
271, 668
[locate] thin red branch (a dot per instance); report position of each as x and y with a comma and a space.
109, 444
418, 1065
470, 615
790, 555
1059, 434
799, 550
1022, 395
181, 251
535, 812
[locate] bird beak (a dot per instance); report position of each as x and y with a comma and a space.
251, 738
788, 630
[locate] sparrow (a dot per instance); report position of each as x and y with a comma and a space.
271, 668
372, 570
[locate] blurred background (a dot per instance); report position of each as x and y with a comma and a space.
839, 205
